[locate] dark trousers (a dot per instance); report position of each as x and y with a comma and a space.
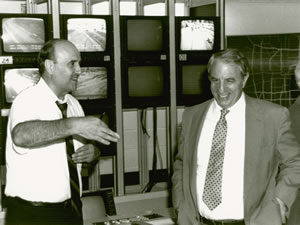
205, 221
21, 212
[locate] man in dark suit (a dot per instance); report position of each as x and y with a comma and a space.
247, 172
294, 218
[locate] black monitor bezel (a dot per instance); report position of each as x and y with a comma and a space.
190, 55
26, 57
129, 55
145, 102
92, 57
3, 133
110, 113
189, 100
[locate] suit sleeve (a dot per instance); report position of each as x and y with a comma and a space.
288, 180
177, 189
177, 178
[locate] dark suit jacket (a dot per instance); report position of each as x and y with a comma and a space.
272, 163
294, 109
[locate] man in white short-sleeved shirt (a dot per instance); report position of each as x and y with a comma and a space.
38, 181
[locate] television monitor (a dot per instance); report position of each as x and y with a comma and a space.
193, 86
95, 87
92, 83
91, 34
145, 85
23, 35
145, 37
16, 79
197, 37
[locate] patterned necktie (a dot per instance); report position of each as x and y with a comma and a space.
212, 195
74, 180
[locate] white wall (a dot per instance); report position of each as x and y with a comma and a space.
243, 17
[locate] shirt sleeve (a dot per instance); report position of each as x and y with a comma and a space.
21, 110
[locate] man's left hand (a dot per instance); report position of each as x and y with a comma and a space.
86, 154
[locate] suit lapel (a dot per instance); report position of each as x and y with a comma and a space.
253, 138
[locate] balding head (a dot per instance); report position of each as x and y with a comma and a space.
59, 65
48, 51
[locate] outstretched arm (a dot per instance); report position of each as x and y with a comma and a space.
37, 133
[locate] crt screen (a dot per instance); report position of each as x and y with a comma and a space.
197, 35
144, 35
192, 77
17, 80
145, 81
21, 34
88, 34
92, 83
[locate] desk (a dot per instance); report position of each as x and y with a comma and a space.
140, 219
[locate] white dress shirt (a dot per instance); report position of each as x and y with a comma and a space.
232, 206
39, 174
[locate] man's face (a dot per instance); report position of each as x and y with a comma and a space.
227, 83
66, 69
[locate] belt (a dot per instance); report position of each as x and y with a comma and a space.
21, 201
221, 222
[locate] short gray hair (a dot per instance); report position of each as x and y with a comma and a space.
230, 56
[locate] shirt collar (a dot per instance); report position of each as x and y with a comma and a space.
47, 91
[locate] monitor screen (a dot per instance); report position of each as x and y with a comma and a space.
197, 35
192, 77
145, 81
92, 83
17, 80
23, 34
144, 35
88, 34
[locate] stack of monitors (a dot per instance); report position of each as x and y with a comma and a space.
93, 37
145, 61
197, 38
22, 37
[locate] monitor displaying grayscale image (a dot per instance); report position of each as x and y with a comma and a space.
22, 34
17, 80
92, 83
87, 34
197, 35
